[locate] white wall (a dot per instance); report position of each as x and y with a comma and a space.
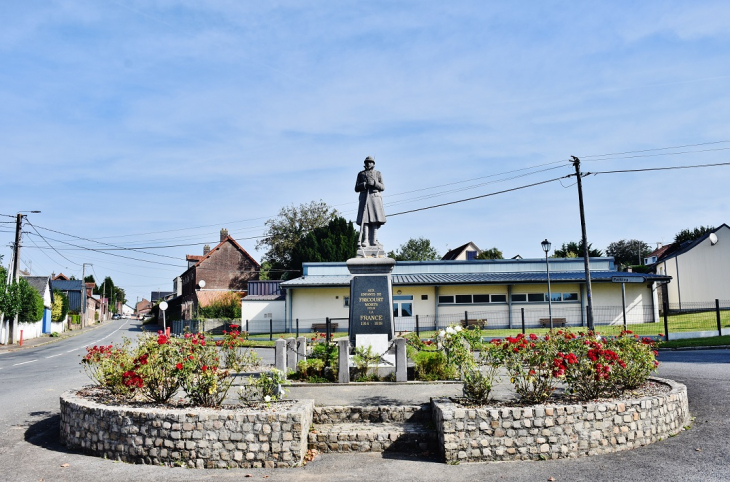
30, 329
704, 272
58, 326
256, 310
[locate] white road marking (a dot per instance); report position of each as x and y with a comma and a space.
54, 355
73, 350
23, 363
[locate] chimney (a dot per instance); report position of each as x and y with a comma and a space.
206, 249
224, 234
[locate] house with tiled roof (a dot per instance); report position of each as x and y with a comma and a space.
462, 253
224, 268
700, 269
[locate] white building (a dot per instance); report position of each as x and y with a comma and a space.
494, 291
700, 269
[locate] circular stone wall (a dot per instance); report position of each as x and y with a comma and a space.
558, 431
195, 437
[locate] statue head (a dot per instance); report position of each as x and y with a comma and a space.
369, 162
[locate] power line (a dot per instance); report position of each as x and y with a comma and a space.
657, 149
482, 196
661, 154
660, 168
49, 244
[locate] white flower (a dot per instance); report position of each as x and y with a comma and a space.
450, 330
457, 328
267, 398
598, 337
442, 333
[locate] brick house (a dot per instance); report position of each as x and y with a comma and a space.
226, 267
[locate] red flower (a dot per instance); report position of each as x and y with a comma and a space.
179, 366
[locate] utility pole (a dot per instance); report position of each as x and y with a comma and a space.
13, 325
584, 238
83, 294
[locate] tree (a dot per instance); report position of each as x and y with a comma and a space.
628, 252
692, 234
492, 253
90, 279
31, 303
415, 249
9, 296
59, 309
575, 250
337, 241
285, 230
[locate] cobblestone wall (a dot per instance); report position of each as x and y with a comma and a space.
200, 437
558, 431
372, 414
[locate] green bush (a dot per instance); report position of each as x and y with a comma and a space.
31, 303
228, 305
432, 365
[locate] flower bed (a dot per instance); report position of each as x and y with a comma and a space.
274, 436
558, 431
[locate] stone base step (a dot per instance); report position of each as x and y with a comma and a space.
373, 437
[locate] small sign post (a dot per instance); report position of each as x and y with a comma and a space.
163, 308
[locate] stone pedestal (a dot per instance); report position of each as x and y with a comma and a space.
371, 288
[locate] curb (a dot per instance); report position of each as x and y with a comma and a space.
696, 348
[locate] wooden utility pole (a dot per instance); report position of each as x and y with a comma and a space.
584, 238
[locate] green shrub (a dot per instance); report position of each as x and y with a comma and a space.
227, 305
268, 387
432, 365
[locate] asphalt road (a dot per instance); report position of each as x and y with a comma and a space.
31, 381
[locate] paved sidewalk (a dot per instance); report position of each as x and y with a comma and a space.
46, 339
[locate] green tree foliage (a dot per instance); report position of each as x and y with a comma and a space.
692, 234
112, 292
9, 295
415, 249
628, 252
90, 279
575, 250
31, 303
60, 306
337, 241
492, 253
286, 230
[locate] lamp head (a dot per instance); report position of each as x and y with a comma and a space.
546, 246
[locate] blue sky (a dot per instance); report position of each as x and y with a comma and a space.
170, 120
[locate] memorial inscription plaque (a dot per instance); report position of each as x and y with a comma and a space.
371, 311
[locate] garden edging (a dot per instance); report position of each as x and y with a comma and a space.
558, 431
194, 437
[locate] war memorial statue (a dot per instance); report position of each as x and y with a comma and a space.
370, 212
371, 286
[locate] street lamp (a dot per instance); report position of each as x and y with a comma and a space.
546, 247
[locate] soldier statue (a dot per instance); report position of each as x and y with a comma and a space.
370, 213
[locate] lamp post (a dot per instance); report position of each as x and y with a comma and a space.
546, 247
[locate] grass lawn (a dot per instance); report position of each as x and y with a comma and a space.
710, 341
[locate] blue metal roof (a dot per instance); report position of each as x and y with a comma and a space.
475, 278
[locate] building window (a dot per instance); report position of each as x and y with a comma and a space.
463, 299
346, 300
424, 297
542, 297
472, 299
471, 255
